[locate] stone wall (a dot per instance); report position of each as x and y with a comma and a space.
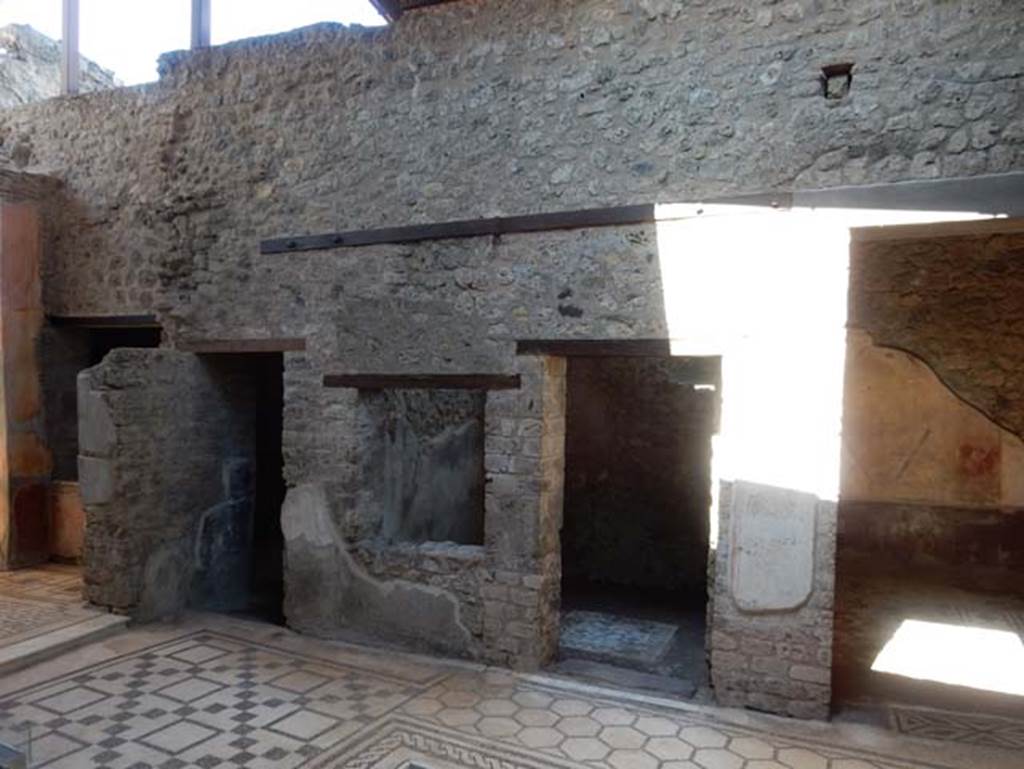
166, 442
638, 474
30, 68
507, 106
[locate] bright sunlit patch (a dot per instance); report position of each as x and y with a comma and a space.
981, 658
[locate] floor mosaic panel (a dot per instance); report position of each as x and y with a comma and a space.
40, 600
966, 728
592, 634
211, 698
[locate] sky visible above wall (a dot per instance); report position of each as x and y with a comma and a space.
127, 36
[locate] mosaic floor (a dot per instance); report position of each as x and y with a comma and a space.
226, 693
601, 636
39, 600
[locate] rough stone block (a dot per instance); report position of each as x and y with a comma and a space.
97, 434
811, 674
96, 480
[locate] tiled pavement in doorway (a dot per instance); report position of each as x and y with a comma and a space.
39, 600
601, 636
219, 693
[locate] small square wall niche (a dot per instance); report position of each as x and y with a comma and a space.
423, 464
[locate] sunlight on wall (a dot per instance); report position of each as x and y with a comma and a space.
767, 290
981, 658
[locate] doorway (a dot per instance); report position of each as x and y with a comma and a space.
636, 522
240, 544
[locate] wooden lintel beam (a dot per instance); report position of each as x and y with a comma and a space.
697, 369
596, 348
423, 381
227, 346
104, 321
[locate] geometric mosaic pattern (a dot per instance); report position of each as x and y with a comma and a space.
214, 698
964, 728
205, 701
39, 600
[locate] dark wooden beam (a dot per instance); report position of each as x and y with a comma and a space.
596, 348
466, 228
993, 194
104, 321
225, 346
423, 381
702, 369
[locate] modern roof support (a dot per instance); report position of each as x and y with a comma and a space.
201, 23
70, 62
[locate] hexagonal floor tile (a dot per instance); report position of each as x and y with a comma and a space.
716, 758
578, 726
703, 737
532, 699
498, 726
669, 748
656, 727
751, 747
540, 737
494, 707
536, 717
613, 716
585, 749
458, 717
622, 737
632, 759
571, 707
799, 758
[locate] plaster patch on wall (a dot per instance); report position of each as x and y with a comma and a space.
907, 436
328, 593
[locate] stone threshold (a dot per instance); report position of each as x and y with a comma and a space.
43, 646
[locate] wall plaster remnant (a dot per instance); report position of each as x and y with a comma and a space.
328, 592
909, 437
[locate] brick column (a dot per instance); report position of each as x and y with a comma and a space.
525, 465
24, 458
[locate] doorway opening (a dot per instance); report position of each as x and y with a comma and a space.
68, 346
240, 545
636, 525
